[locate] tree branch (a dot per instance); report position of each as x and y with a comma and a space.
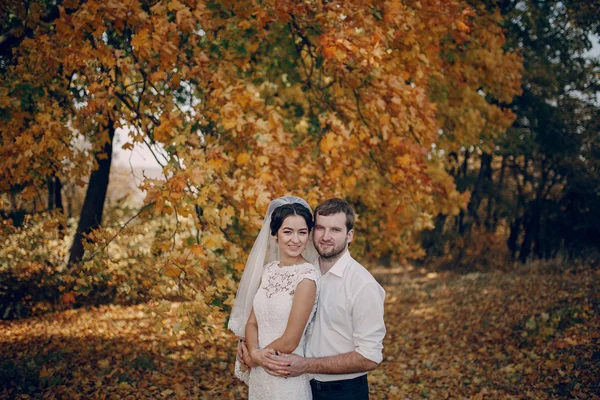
91, 257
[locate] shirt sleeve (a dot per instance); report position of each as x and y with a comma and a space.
367, 318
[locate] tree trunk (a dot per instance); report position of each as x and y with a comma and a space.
454, 167
515, 231
55, 201
54, 193
492, 211
484, 175
527, 238
91, 213
461, 216
434, 241
520, 219
70, 200
531, 240
531, 214
538, 247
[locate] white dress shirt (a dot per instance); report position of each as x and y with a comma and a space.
349, 316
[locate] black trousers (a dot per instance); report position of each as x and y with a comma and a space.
348, 389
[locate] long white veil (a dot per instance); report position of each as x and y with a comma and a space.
264, 251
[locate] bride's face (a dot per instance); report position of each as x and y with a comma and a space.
292, 236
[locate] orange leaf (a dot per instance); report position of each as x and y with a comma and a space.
329, 51
462, 26
197, 250
239, 266
68, 298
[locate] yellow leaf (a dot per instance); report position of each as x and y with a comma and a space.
245, 24
45, 372
350, 181
178, 184
163, 133
171, 271
212, 242
403, 161
243, 99
328, 142
227, 214
252, 47
174, 5
140, 39
242, 159
262, 160
229, 123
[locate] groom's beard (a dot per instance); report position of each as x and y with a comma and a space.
330, 252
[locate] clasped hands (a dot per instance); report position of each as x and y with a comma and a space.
273, 362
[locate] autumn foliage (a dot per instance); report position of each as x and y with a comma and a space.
530, 333
254, 101
248, 101
419, 113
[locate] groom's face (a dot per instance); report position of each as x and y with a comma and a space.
331, 236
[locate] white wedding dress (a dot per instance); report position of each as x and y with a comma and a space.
272, 306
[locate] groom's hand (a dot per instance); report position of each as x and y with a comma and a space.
287, 364
259, 357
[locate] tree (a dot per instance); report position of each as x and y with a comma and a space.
255, 100
519, 182
16, 22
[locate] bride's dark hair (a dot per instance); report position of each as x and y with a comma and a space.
282, 212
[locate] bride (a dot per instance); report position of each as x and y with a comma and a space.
277, 299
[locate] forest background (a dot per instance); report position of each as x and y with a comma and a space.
464, 133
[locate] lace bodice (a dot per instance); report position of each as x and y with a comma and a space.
272, 306
285, 279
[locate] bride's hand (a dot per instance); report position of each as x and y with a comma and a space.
244, 355
240, 354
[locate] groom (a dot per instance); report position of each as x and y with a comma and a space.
346, 341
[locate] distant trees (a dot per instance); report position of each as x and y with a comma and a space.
537, 183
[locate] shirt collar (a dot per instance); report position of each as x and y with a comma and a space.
340, 265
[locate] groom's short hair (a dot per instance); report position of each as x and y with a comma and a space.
336, 205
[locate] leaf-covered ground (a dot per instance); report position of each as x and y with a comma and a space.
528, 334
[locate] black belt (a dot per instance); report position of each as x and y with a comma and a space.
337, 385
